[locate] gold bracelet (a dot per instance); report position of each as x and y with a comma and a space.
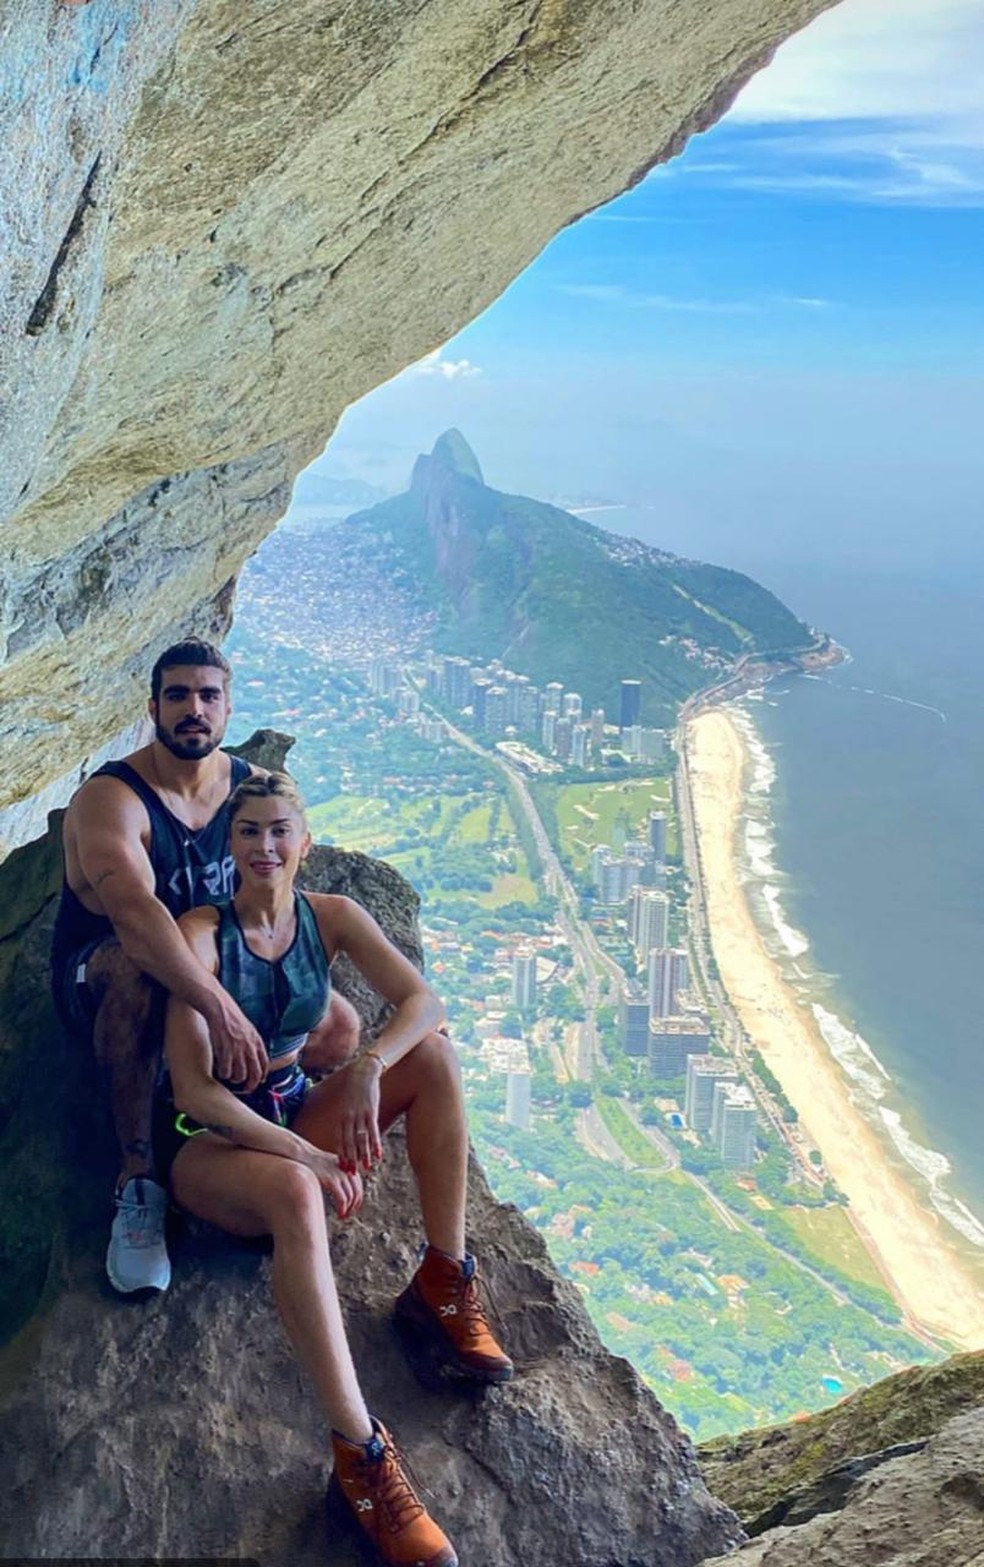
373, 1055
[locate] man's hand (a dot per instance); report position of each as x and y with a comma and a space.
238, 1053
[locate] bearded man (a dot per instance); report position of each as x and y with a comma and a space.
146, 839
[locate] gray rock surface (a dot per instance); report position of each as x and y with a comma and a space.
777, 1471
922, 1509
227, 220
183, 1429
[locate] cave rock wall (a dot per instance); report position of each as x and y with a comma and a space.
227, 220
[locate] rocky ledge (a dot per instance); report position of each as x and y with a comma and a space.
182, 1428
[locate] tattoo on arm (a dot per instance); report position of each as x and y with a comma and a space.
103, 876
220, 1131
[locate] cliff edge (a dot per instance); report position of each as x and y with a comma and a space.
183, 1428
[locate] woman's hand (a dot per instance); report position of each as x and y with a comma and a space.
360, 1145
344, 1187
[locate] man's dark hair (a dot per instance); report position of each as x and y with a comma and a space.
192, 651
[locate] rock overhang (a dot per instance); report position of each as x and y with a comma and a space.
227, 226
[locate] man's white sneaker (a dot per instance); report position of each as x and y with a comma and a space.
137, 1256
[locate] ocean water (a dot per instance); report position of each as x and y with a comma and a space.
864, 853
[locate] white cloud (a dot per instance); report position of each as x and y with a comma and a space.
876, 59
878, 101
449, 369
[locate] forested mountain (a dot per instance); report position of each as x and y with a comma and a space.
556, 598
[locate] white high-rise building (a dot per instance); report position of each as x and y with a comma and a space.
524, 980
648, 919
611, 879
704, 1073
571, 704
681, 971
518, 1099
633, 1020
662, 1001
553, 691
580, 745
657, 833
738, 1118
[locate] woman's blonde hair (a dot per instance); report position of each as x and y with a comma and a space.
269, 786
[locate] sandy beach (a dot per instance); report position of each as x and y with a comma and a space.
910, 1244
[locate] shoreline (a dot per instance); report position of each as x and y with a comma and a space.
924, 1268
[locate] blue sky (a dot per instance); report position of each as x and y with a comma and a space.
778, 334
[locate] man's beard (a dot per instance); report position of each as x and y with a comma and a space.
200, 746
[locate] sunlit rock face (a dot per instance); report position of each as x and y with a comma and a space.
226, 221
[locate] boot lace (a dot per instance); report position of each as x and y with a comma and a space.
395, 1485
142, 1225
478, 1304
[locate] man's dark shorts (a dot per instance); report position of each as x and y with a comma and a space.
74, 1002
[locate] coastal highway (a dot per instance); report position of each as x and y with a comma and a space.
592, 962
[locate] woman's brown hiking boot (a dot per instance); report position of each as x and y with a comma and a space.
443, 1301
372, 1476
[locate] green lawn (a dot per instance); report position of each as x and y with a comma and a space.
628, 1136
588, 814
511, 888
373, 826
832, 1238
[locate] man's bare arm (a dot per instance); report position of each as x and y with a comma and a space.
107, 826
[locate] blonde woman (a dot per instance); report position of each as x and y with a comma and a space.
261, 1162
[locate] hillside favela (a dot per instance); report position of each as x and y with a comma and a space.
491, 588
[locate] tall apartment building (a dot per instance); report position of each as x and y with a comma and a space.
548, 730
672, 1040
496, 714
563, 729
480, 689
737, 1120
580, 745
649, 915
597, 727
524, 980
704, 1073
456, 681
638, 849
657, 833
599, 854
659, 974
571, 704
681, 971
528, 710
630, 706
553, 691
611, 879
518, 1099
633, 1020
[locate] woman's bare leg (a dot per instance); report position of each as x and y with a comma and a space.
249, 1193
425, 1086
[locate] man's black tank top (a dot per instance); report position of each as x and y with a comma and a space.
191, 867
